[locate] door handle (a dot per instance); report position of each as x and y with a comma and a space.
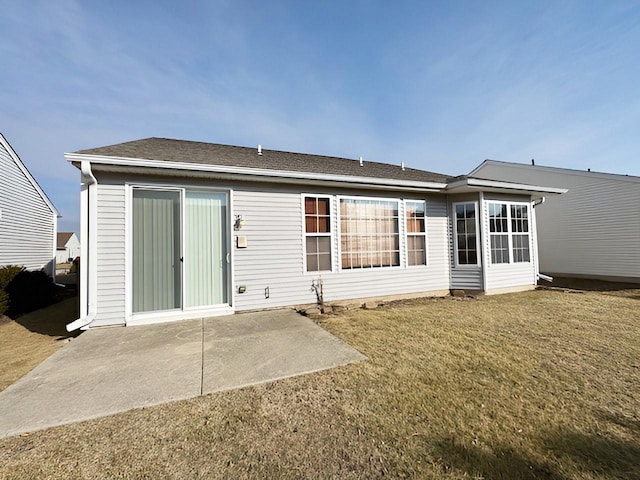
228, 258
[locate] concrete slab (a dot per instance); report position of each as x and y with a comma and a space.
264, 347
110, 370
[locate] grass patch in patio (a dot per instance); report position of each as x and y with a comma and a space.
542, 384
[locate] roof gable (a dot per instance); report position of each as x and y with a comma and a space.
62, 238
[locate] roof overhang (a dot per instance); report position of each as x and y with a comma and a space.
469, 184
163, 167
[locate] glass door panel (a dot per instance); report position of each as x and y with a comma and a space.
205, 257
156, 272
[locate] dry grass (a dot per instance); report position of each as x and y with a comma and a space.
542, 384
28, 340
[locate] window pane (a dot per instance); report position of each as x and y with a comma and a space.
324, 224
323, 206
499, 249
324, 244
312, 263
311, 224
324, 261
310, 206
312, 244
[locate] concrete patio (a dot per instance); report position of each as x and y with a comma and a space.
110, 370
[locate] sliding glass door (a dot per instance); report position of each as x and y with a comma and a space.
179, 249
205, 259
156, 250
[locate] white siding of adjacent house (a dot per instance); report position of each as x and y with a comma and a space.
590, 231
274, 256
27, 222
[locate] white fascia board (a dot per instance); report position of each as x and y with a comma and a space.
478, 184
360, 181
27, 174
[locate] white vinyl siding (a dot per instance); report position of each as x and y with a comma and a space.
592, 230
111, 255
27, 223
274, 257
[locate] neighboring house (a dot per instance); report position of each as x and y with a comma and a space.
176, 229
68, 247
28, 219
593, 231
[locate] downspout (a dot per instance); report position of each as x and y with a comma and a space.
88, 248
534, 222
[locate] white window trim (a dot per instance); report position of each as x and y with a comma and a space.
407, 235
399, 201
332, 227
510, 233
455, 236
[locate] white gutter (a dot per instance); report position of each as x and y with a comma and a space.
263, 172
88, 248
479, 183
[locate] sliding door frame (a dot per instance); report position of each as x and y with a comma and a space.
183, 313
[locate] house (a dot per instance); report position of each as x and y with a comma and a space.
68, 247
28, 219
177, 229
590, 232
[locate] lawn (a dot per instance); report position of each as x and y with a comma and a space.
32, 337
542, 384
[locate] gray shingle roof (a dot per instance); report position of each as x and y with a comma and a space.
227, 155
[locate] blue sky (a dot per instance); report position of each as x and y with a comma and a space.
440, 85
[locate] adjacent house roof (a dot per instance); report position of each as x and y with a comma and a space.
525, 166
62, 239
182, 151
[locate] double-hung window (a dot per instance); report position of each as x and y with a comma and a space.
416, 233
509, 232
317, 220
369, 233
465, 233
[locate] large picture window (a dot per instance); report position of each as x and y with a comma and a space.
509, 233
416, 233
465, 233
317, 219
369, 233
